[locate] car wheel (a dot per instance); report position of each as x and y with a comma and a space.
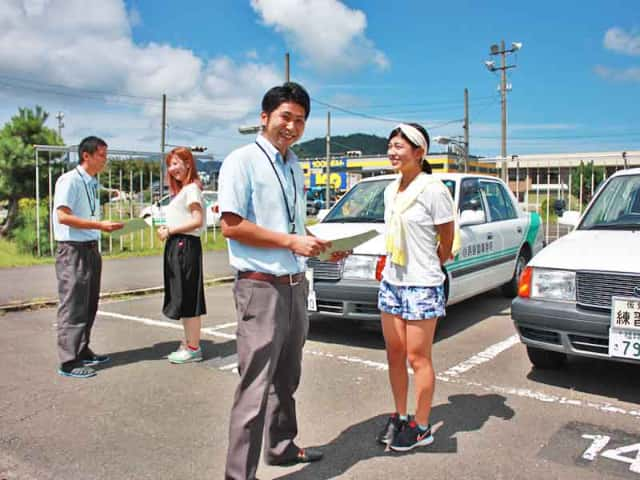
510, 289
546, 359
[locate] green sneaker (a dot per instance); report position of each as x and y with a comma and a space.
185, 355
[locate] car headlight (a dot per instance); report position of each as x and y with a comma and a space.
559, 285
360, 267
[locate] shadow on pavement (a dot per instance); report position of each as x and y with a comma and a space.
369, 334
467, 313
594, 376
159, 351
463, 413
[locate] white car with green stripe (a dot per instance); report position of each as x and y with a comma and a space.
497, 241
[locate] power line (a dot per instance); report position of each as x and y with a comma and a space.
561, 137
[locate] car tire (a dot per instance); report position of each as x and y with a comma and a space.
510, 289
546, 359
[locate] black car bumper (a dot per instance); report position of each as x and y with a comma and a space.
563, 327
351, 299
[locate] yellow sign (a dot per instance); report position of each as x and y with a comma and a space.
335, 179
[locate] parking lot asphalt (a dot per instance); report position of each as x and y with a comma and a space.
38, 283
142, 418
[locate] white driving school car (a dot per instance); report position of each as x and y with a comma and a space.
581, 294
497, 241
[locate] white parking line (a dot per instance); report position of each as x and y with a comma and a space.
452, 375
163, 323
486, 355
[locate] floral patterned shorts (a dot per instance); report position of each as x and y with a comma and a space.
411, 303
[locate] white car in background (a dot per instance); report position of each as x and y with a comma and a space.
581, 294
212, 209
497, 241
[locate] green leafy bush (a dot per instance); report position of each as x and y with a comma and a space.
24, 232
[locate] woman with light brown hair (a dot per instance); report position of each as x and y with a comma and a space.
183, 275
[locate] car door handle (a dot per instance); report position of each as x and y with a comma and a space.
519, 229
489, 236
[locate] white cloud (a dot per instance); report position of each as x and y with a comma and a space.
631, 74
620, 41
60, 44
328, 34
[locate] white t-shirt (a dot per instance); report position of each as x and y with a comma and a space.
178, 213
434, 206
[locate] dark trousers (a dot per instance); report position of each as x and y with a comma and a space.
78, 270
272, 328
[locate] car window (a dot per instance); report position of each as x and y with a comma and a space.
363, 203
210, 197
470, 196
451, 185
500, 206
617, 206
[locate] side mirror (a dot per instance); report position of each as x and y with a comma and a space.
570, 218
558, 206
471, 217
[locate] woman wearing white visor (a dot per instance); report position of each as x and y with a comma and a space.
419, 220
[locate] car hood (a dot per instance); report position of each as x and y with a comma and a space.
604, 250
333, 231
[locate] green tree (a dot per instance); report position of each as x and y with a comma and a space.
586, 170
17, 162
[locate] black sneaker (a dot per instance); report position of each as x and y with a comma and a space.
410, 436
390, 429
90, 359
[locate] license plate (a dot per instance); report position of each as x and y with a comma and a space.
311, 298
624, 334
311, 302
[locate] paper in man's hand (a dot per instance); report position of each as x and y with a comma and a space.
131, 226
347, 243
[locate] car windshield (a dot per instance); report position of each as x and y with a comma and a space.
363, 203
617, 207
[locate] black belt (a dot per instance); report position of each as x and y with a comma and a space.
291, 278
89, 244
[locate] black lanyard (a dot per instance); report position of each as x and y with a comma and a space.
291, 217
92, 205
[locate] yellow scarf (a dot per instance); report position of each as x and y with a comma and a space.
395, 236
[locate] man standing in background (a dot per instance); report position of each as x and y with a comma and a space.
76, 227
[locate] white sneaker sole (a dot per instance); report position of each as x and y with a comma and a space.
189, 360
422, 443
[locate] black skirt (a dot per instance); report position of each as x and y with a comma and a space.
183, 277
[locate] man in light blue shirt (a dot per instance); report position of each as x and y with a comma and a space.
76, 227
261, 198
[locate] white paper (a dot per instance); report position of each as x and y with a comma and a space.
347, 243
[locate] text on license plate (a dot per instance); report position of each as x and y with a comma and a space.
624, 334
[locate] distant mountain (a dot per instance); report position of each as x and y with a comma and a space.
209, 166
367, 144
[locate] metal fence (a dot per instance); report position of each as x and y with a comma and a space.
561, 183
130, 183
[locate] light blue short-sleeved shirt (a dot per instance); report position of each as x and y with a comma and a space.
248, 187
77, 190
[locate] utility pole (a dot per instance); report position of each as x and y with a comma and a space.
286, 67
465, 126
328, 202
502, 51
162, 144
60, 116
503, 106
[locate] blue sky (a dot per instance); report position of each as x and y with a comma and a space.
105, 64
